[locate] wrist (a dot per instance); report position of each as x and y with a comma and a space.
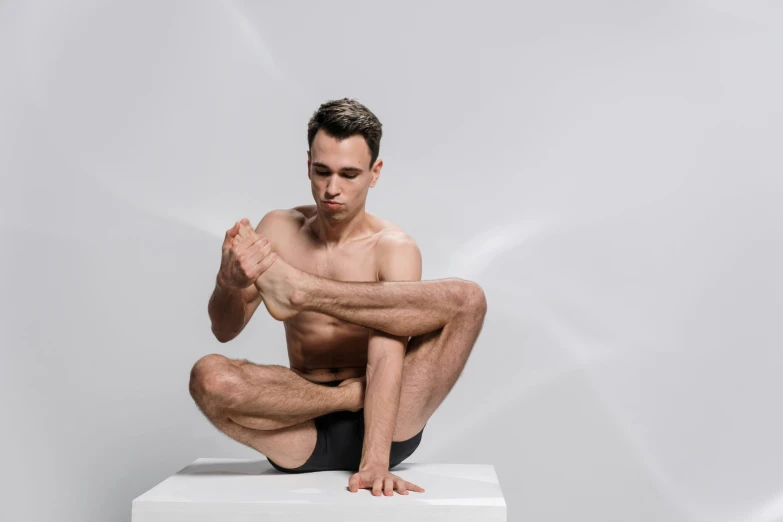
373, 463
224, 284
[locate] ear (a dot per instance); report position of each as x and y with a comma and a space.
309, 160
376, 172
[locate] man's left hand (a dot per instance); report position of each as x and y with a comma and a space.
379, 479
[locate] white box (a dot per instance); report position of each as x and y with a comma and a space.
242, 490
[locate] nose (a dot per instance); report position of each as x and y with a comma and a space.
332, 187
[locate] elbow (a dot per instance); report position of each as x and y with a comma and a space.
222, 337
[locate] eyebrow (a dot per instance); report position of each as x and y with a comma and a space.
344, 169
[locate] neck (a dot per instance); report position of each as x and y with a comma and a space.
337, 232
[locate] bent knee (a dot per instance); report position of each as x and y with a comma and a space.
475, 301
213, 378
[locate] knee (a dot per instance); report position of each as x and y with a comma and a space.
474, 300
213, 379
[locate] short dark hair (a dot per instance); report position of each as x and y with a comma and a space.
344, 118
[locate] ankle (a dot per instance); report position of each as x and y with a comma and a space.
300, 290
353, 396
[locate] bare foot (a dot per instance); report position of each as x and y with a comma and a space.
278, 287
360, 384
278, 283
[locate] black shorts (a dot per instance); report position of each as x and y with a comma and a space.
340, 437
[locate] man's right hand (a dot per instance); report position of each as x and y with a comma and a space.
244, 258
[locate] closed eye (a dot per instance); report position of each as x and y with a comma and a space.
327, 173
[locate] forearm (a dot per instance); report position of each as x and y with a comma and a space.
397, 308
381, 403
226, 311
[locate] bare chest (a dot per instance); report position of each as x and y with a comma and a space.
350, 263
317, 341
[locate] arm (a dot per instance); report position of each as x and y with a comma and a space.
230, 308
382, 399
400, 260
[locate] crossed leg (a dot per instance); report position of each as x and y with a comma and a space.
271, 409
443, 319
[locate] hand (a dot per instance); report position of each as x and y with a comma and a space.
378, 478
246, 255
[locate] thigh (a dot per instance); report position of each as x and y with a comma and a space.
338, 445
290, 447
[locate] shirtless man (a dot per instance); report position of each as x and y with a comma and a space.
373, 350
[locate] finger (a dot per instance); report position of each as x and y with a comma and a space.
254, 262
256, 244
401, 487
231, 232
388, 487
377, 485
265, 263
353, 484
258, 249
259, 253
244, 239
259, 241
413, 487
245, 227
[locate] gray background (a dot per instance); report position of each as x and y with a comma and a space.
609, 172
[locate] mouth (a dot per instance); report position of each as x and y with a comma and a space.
332, 204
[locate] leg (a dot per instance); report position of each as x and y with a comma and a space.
265, 397
444, 317
397, 308
432, 365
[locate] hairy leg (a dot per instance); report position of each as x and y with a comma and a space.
397, 308
443, 317
432, 365
266, 397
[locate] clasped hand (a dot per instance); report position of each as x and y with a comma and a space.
246, 255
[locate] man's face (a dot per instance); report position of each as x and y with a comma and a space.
340, 174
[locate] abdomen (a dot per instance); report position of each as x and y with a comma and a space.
321, 348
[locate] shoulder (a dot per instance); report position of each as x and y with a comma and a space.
398, 256
290, 217
281, 223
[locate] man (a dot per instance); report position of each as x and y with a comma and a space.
373, 350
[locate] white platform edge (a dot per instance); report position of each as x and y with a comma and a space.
160, 504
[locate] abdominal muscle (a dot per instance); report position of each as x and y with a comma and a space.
323, 349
